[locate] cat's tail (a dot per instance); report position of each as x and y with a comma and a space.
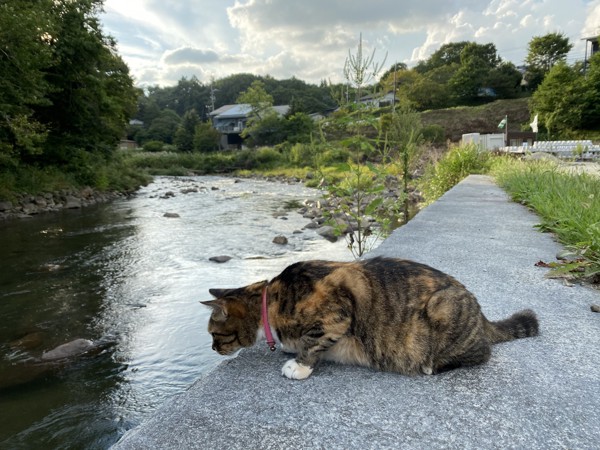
520, 325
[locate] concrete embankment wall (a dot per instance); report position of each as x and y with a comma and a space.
535, 393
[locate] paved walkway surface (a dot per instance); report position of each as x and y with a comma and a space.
535, 393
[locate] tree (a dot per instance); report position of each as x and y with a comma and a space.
191, 94
426, 93
230, 88
396, 67
206, 138
299, 128
261, 105
91, 94
25, 54
446, 55
163, 127
258, 99
360, 70
505, 80
184, 136
560, 99
591, 85
543, 53
476, 62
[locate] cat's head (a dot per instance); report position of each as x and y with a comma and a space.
235, 317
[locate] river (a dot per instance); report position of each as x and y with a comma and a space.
126, 276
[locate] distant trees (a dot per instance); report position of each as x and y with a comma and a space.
568, 98
459, 73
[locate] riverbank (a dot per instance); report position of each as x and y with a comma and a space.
26, 206
538, 393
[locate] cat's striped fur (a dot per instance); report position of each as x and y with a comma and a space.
389, 314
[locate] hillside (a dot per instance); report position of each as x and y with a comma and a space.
481, 119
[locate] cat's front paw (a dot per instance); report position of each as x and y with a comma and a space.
296, 371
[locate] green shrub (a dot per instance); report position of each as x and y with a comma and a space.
455, 165
153, 146
268, 156
434, 134
334, 156
302, 155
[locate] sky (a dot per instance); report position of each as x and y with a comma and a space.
164, 40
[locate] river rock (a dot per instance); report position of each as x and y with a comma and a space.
29, 209
28, 342
5, 206
220, 259
68, 350
311, 226
280, 240
72, 202
171, 215
328, 233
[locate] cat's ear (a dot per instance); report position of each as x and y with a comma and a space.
219, 311
219, 293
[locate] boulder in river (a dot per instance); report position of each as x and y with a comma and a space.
280, 240
328, 233
73, 348
171, 215
220, 259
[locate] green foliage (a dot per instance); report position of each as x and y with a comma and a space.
543, 53
334, 156
359, 197
163, 128
206, 138
299, 128
86, 170
184, 136
567, 203
154, 146
259, 100
559, 100
270, 129
455, 165
268, 157
459, 72
302, 155
25, 55
92, 94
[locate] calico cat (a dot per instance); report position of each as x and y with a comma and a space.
388, 314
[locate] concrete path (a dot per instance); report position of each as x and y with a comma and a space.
536, 393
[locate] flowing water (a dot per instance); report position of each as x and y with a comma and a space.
129, 279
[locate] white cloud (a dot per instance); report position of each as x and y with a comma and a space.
162, 39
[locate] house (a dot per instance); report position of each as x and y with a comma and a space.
230, 121
379, 99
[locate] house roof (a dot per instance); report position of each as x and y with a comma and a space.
242, 110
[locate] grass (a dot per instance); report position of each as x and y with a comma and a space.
453, 166
568, 205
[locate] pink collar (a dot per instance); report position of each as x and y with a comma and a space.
265, 321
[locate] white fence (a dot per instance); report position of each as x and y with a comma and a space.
583, 149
